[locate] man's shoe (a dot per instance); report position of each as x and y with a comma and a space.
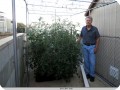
92, 79
88, 76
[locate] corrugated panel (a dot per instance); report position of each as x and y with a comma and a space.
107, 21
117, 32
93, 15
112, 14
105, 57
110, 56
101, 20
117, 59
95, 18
101, 59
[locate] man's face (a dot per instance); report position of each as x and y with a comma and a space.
88, 21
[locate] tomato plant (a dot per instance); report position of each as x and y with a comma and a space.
53, 50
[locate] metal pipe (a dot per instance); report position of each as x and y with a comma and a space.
26, 18
26, 57
27, 45
49, 11
54, 6
50, 14
89, 2
15, 44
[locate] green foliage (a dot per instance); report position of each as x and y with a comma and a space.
53, 49
20, 28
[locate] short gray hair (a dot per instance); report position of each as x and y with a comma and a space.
89, 17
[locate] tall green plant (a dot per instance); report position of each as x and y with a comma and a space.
53, 50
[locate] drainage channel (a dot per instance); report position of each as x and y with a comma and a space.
86, 84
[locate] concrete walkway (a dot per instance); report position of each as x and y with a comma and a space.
98, 83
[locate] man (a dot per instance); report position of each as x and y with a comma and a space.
90, 38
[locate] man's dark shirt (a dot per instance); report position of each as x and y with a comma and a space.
89, 36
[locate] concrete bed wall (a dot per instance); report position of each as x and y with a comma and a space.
7, 68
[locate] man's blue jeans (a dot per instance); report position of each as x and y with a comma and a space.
89, 59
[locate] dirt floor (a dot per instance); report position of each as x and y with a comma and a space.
76, 81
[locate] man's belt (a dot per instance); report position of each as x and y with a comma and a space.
89, 44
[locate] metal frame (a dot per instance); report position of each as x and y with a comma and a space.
15, 43
17, 82
104, 4
54, 6
89, 2
26, 55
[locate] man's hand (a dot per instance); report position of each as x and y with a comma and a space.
78, 39
97, 45
95, 50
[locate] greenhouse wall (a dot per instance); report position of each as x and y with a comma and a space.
7, 68
108, 57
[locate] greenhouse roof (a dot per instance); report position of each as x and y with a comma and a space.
74, 10
60, 7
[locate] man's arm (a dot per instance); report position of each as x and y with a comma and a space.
97, 45
80, 37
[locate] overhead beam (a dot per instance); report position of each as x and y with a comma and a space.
54, 6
